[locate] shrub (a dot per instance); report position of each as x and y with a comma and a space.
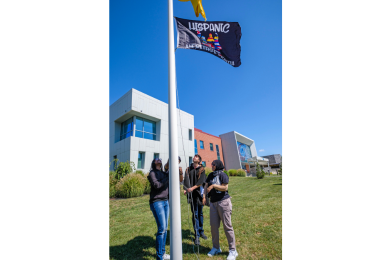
260, 175
232, 172
147, 186
112, 184
123, 168
241, 173
226, 172
140, 172
259, 172
131, 185
208, 170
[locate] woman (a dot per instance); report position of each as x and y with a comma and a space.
220, 209
159, 205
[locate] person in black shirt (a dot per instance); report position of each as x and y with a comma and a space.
193, 186
159, 205
220, 209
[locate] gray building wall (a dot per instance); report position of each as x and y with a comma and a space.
230, 151
135, 103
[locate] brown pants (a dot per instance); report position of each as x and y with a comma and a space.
222, 210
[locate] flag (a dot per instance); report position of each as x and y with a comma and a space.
198, 8
221, 39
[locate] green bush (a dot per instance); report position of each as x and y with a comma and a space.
112, 184
123, 168
226, 172
208, 170
147, 185
232, 172
140, 172
259, 172
131, 185
241, 173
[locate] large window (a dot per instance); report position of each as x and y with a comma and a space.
141, 160
126, 129
217, 151
156, 156
195, 146
190, 160
190, 134
201, 144
211, 147
145, 129
244, 151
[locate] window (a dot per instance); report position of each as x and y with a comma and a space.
204, 164
211, 147
190, 134
190, 160
195, 146
145, 129
201, 144
141, 160
126, 129
156, 156
217, 151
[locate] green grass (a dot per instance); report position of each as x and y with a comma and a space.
256, 218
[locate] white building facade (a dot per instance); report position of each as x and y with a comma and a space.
139, 131
239, 152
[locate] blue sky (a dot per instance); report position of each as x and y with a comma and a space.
247, 99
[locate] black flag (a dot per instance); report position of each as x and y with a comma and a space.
219, 38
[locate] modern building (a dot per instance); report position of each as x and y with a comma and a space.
208, 146
139, 131
274, 162
240, 152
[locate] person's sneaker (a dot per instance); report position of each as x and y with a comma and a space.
232, 255
203, 236
196, 241
214, 251
166, 256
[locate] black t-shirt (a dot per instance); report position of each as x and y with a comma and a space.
219, 179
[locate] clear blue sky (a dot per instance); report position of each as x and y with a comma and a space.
247, 99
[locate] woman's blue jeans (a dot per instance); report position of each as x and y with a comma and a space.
160, 211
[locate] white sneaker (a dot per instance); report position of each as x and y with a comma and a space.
166, 256
232, 255
214, 251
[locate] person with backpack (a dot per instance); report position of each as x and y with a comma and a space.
193, 187
159, 204
220, 209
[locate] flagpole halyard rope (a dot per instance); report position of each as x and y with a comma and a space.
184, 152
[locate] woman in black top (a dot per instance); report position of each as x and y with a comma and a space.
159, 205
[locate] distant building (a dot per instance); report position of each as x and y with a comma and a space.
139, 131
208, 146
240, 153
274, 163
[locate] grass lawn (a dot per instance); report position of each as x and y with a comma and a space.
256, 218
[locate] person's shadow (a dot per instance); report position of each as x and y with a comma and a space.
137, 247
134, 249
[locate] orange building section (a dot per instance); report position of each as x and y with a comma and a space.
206, 153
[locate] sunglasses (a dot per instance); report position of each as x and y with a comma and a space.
158, 159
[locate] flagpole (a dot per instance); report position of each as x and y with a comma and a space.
174, 192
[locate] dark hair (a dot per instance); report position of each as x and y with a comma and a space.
153, 165
179, 158
200, 158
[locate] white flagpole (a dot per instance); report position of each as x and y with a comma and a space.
174, 192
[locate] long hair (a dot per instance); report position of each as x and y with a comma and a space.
153, 166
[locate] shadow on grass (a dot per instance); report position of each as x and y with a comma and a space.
137, 248
134, 249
